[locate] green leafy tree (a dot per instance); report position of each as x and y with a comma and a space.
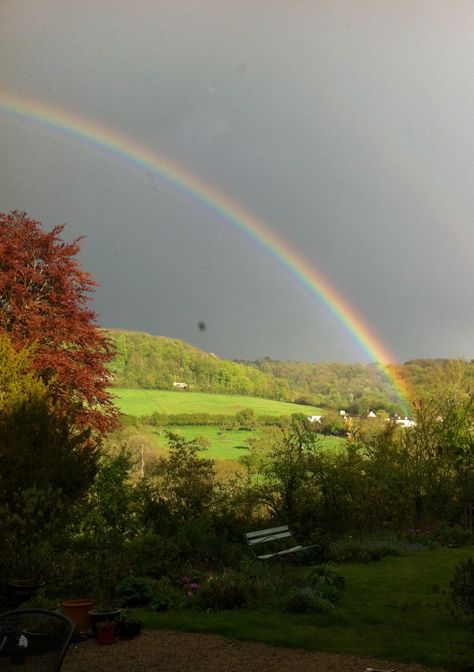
285, 468
186, 481
47, 464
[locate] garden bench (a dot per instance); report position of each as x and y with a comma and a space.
274, 543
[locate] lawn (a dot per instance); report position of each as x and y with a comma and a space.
394, 609
146, 402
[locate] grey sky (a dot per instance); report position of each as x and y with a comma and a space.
346, 126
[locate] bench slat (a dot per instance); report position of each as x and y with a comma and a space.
269, 538
273, 537
270, 530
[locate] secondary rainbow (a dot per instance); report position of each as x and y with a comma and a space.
152, 163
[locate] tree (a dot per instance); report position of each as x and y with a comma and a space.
47, 465
285, 468
44, 296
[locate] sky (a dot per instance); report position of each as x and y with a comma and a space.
343, 127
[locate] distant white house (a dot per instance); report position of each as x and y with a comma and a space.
180, 386
405, 422
315, 418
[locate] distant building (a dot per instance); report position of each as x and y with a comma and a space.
180, 386
315, 418
371, 414
405, 422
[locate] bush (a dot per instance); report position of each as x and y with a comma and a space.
228, 590
326, 582
134, 591
351, 550
302, 600
166, 596
462, 588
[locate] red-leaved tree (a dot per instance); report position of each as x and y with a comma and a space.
44, 302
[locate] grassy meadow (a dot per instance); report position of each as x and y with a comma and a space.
226, 444
141, 402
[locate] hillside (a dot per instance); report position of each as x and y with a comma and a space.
156, 362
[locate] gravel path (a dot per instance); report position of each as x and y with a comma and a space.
170, 651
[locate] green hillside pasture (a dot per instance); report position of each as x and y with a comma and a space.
227, 444
146, 402
394, 609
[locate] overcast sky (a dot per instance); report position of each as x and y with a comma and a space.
346, 126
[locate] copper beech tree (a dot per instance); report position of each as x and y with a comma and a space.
44, 302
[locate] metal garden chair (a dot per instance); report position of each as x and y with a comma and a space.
33, 640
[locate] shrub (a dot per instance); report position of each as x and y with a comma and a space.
228, 590
326, 582
351, 550
302, 600
134, 591
166, 595
462, 588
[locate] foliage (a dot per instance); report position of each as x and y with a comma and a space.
43, 301
227, 590
46, 465
185, 481
302, 600
283, 458
135, 591
353, 550
156, 362
462, 588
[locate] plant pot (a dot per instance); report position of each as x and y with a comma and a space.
18, 592
78, 612
97, 616
106, 632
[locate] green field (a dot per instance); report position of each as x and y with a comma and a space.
227, 444
395, 609
146, 402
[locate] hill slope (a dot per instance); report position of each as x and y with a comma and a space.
156, 362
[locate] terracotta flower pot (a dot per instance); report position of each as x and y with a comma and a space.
78, 612
106, 632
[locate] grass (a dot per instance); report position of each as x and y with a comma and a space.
146, 402
226, 444
389, 610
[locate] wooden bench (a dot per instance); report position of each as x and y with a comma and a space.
274, 543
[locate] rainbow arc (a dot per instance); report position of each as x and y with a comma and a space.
153, 163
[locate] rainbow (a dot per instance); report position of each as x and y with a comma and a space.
152, 163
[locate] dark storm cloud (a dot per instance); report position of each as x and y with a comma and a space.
345, 126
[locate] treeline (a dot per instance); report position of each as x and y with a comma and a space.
357, 388
156, 362
354, 387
